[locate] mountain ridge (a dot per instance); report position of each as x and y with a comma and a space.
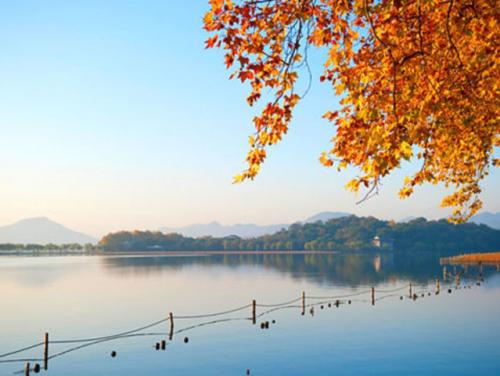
41, 230
244, 230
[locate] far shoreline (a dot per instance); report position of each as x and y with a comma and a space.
164, 253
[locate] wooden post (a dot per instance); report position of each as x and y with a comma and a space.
373, 295
438, 286
27, 369
303, 303
411, 294
46, 352
171, 319
254, 312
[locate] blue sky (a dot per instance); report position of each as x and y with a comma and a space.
114, 116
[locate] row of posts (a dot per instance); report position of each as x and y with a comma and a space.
254, 321
36, 367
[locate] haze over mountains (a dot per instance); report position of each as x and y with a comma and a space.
42, 230
251, 230
243, 230
488, 219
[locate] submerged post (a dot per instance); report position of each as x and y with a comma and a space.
438, 286
373, 295
46, 352
27, 369
171, 319
411, 294
303, 303
254, 311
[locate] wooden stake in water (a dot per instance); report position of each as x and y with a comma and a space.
46, 352
27, 369
411, 294
303, 303
373, 295
438, 286
171, 319
254, 311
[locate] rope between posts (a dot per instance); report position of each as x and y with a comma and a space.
21, 350
110, 336
85, 342
392, 290
280, 304
214, 314
339, 296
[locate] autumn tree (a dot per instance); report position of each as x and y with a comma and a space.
417, 80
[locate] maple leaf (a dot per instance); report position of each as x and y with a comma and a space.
409, 75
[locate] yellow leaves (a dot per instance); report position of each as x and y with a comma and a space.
405, 150
238, 179
404, 85
339, 88
331, 115
407, 189
264, 138
353, 185
325, 161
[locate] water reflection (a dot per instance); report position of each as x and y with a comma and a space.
331, 269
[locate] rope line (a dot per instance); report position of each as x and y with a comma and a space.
214, 314
112, 335
21, 350
138, 332
340, 296
280, 304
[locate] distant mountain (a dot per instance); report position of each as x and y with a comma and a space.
326, 216
407, 219
244, 230
218, 230
489, 219
41, 230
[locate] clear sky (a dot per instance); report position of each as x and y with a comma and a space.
114, 116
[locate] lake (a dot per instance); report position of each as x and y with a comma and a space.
78, 298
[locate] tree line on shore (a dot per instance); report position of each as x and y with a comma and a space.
75, 247
342, 234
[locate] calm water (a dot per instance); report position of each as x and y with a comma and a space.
80, 297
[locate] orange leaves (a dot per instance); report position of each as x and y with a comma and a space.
211, 41
411, 76
245, 75
325, 161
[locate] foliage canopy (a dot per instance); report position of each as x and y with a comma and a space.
418, 79
341, 234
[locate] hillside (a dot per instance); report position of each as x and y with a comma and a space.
341, 234
488, 219
41, 230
